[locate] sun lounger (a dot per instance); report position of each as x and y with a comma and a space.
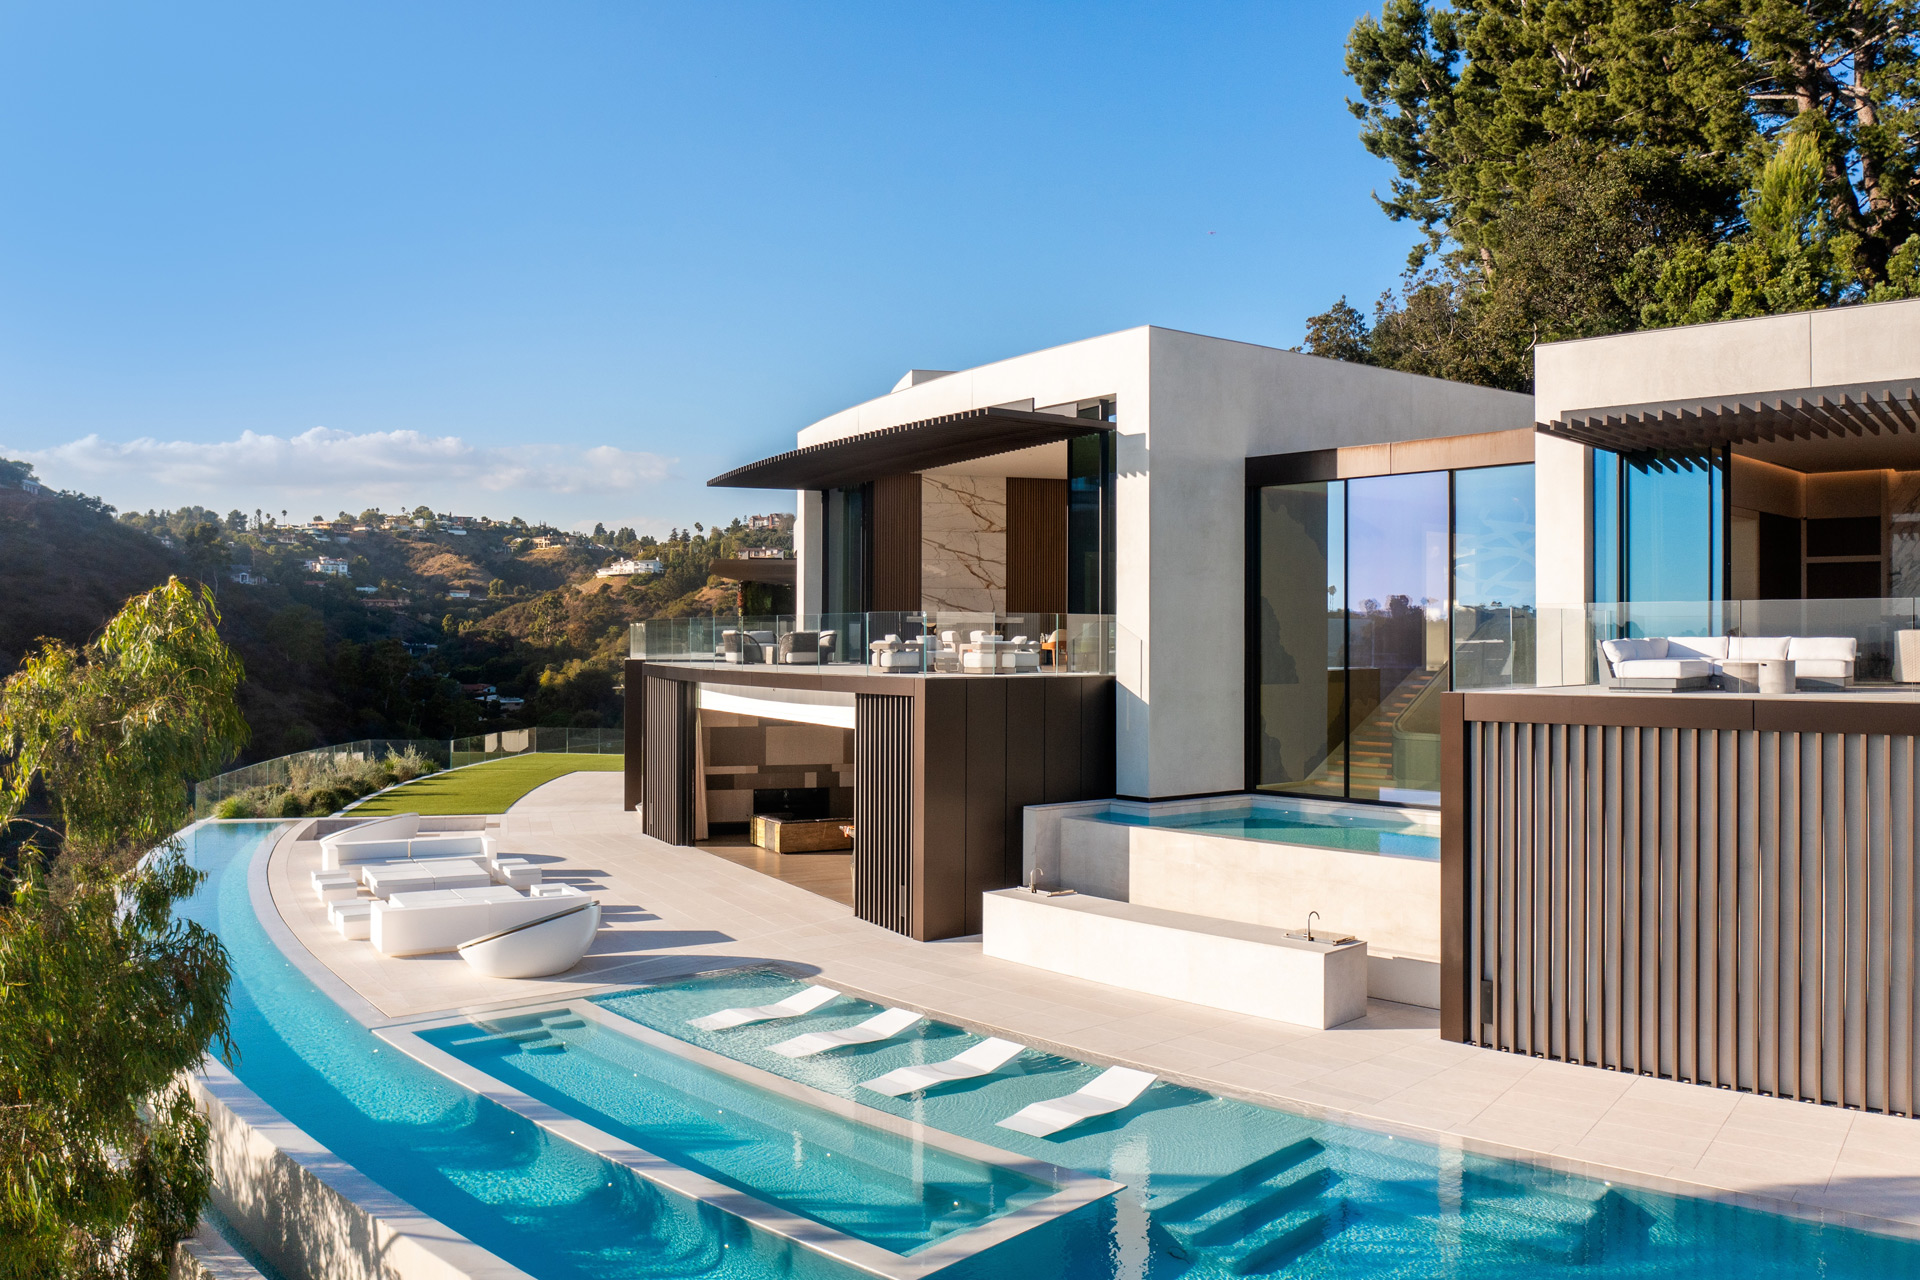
987, 1056
805, 1000
1111, 1090
884, 1025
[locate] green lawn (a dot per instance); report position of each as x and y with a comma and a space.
484, 788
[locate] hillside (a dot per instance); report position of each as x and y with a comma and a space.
382, 649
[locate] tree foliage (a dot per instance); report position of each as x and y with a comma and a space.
105, 998
1591, 166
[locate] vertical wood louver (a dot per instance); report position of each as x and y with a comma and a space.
1734, 907
883, 740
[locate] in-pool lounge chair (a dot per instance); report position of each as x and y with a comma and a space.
884, 1025
806, 1000
1109, 1091
988, 1056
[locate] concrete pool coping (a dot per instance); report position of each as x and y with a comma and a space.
1387, 1073
1072, 1189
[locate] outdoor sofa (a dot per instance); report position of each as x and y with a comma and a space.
1672, 663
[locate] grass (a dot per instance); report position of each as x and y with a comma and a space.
484, 788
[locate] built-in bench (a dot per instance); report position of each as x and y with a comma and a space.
1225, 964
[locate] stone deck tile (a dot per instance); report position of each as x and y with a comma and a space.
1389, 1069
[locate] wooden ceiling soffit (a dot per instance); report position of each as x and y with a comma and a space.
914, 446
1691, 426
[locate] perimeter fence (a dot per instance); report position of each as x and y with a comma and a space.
519, 742
289, 770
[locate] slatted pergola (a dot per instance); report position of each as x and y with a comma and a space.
1694, 426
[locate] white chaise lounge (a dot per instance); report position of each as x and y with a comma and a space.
988, 1056
884, 1025
804, 1001
1111, 1090
538, 948
415, 924
1671, 663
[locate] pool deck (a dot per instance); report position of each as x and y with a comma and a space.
672, 911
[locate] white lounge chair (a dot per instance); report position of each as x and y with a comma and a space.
1109, 1091
803, 1001
987, 1056
536, 948
884, 1025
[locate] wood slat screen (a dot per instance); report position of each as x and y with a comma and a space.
883, 741
1728, 907
666, 810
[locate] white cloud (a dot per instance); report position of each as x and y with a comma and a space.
324, 463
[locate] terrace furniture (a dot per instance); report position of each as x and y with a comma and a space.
749, 647
352, 918
982, 653
1771, 675
411, 924
1020, 655
515, 872
535, 948
987, 1056
1671, 663
1111, 1090
894, 654
803, 1001
397, 837
385, 879
799, 835
884, 1025
805, 648
1906, 657
332, 886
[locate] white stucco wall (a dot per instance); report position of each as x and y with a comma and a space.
1191, 410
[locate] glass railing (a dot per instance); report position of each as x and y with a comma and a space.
923, 643
553, 740
1885, 634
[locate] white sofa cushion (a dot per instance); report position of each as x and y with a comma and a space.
1663, 669
419, 923
1710, 648
1636, 650
1757, 648
1823, 649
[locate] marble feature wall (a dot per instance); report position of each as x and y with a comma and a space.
1904, 506
963, 543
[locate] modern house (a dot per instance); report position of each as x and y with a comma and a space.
1586, 712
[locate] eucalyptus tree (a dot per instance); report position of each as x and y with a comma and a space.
106, 997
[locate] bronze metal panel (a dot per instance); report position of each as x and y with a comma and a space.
884, 750
894, 556
985, 749
1455, 805
1026, 765
944, 441
1621, 708
1036, 545
1857, 714
939, 908
633, 734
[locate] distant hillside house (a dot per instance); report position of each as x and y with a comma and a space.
459, 595
764, 522
762, 553
246, 578
384, 604
628, 568
324, 565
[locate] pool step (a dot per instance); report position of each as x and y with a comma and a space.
1263, 1215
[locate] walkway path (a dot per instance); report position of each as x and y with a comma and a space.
673, 911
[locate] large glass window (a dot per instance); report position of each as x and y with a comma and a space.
1493, 577
1396, 634
1301, 627
1362, 590
844, 550
1090, 523
1659, 527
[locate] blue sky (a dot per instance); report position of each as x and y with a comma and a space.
568, 260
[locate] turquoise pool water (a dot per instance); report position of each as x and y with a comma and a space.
873, 1185
1214, 1188
1395, 837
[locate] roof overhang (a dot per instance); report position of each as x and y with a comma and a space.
1689, 426
913, 446
756, 570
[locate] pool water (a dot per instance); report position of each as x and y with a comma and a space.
1214, 1187
1396, 837
871, 1184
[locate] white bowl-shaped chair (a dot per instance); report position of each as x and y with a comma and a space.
537, 949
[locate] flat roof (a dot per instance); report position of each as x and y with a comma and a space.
1809, 413
913, 446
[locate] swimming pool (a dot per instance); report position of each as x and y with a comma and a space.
1284, 823
1213, 1187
